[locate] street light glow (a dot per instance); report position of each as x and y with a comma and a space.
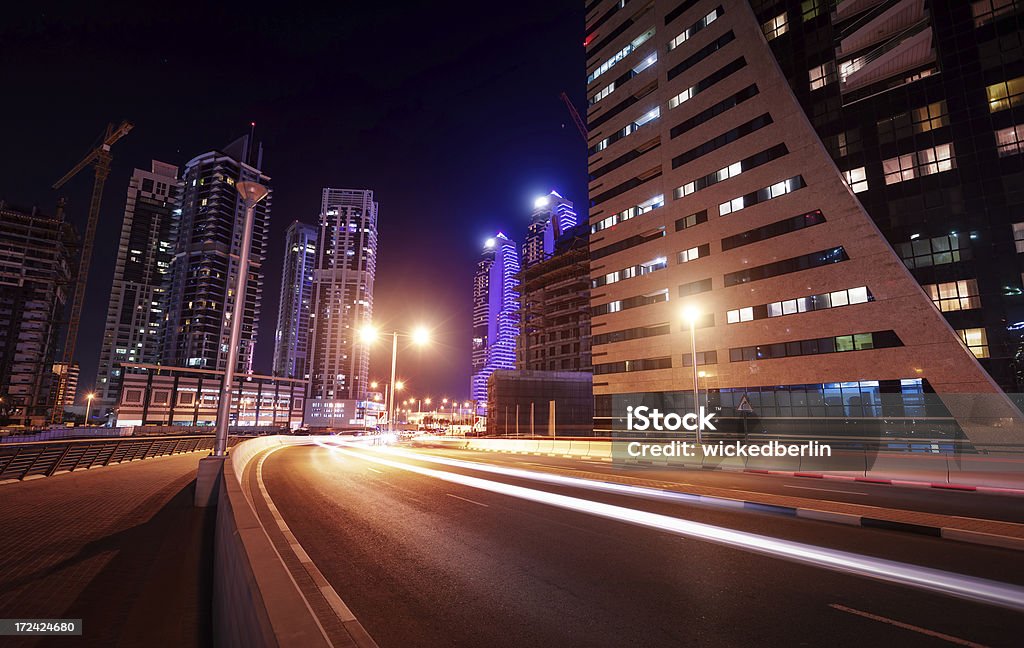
420, 336
399, 385
373, 385
691, 313
368, 333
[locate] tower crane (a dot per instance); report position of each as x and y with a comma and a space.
100, 159
580, 126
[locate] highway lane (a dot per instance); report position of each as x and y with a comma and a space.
425, 562
989, 506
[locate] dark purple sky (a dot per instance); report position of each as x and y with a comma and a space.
450, 112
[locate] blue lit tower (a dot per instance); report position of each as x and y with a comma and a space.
552, 215
291, 343
495, 305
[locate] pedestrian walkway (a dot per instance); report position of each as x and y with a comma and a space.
120, 547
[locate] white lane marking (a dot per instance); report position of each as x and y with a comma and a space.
464, 499
379, 472
933, 580
342, 611
827, 490
906, 626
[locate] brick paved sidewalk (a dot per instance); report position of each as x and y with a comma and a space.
120, 547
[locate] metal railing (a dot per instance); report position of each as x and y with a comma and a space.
20, 461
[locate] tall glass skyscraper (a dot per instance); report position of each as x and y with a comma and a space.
552, 215
343, 304
138, 294
495, 312
291, 342
208, 239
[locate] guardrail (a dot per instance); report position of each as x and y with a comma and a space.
20, 461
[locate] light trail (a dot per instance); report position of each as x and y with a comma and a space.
933, 580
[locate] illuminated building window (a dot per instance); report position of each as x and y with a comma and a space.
629, 129
929, 161
1018, 236
694, 253
621, 54
920, 120
810, 9
1008, 140
940, 250
955, 295
732, 170
762, 195
626, 214
834, 299
703, 358
822, 75
787, 266
632, 302
857, 179
985, 11
1005, 94
817, 346
776, 27
694, 28
706, 83
644, 364
976, 340
693, 219
633, 271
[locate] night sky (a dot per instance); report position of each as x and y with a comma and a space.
449, 112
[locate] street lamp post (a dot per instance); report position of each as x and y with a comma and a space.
420, 336
251, 193
88, 406
691, 314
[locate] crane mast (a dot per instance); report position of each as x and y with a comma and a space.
100, 159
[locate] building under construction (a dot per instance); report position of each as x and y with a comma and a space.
36, 257
555, 308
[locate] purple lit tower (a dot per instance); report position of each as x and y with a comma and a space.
495, 322
552, 215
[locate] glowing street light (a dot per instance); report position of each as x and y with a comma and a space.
420, 336
691, 314
88, 406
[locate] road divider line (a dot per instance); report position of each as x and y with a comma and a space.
907, 626
924, 578
466, 499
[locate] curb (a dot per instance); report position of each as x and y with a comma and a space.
909, 483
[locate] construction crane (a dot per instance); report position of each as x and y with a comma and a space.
100, 159
580, 126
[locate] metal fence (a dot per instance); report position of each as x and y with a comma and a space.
27, 460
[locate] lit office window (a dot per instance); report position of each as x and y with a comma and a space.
940, 250
857, 179
1008, 140
776, 27
1005, 94
694, 253
822, 75
935, 159
696, 27
1018, 236
976, 340
810, 9
955, 295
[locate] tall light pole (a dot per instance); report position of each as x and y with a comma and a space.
88, 406
692, 314
251, 193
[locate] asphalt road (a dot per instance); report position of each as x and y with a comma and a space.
927, 500
425, 562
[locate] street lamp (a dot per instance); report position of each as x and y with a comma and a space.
691, 314
88, 406
419, 336
251, 193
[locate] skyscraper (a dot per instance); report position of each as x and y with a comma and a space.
291, 342
804, 308
137, 309
552, 215
921, 106
36, 257
343, 304
495, 312
207, 241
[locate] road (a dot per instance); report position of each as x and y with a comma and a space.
426, 562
